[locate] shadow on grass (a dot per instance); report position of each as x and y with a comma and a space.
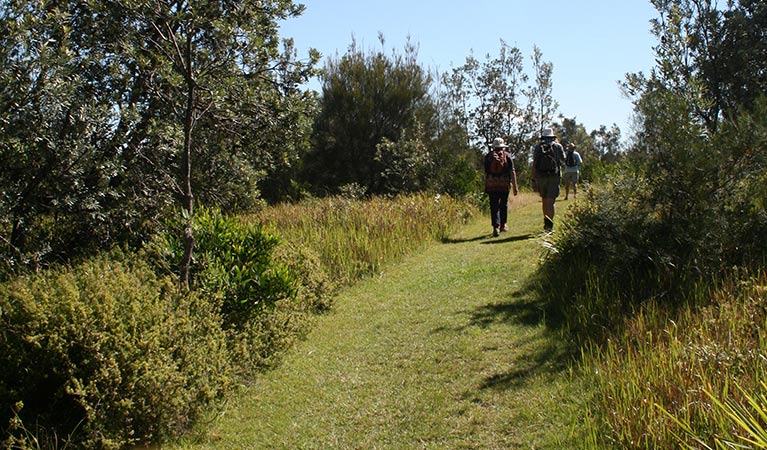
545, 352
522, 237
522, 312
464, 240
549, 358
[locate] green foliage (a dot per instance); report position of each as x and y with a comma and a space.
683, 209
484, 98
369, 100
635, 270
110, 355
94, 123
260, 343
233, 263
407, 165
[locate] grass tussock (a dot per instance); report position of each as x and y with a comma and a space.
355, 238
674, 379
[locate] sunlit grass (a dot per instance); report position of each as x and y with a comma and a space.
445, 349
354, 238
668, 380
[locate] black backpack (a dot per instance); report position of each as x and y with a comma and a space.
570, 160
547, 163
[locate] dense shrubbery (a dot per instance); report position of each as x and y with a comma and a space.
647, 251
108, 353
688, 211
634, 272
233, 263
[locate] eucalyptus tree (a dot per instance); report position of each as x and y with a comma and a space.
540, 93
496, 98
106, 106
210, 60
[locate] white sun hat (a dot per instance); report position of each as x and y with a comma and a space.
547, 133
499, 143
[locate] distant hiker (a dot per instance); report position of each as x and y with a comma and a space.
573, 163
500, 177
548, 155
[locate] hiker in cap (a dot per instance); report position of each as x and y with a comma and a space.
548, 155
573, 163
500, 177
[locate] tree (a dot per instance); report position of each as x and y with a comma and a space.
710, 55
540, 93
108, 104
494, 98
487, 98
607, 143
55, 135
368, 100
211, 60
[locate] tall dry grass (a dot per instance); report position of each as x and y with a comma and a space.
682, 379
354, 238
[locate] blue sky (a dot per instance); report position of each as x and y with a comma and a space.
592, 43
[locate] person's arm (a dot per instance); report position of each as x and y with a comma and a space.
514, 181
513, 175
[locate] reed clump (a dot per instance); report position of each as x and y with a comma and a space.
355, 238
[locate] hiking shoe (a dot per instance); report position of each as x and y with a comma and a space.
495, 232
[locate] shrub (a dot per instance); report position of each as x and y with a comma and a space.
232, 263
109, 351
261, 342
686, 206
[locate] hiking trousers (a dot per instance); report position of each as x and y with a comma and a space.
499, 207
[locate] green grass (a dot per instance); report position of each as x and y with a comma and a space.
686, 379
355, 238
445, 349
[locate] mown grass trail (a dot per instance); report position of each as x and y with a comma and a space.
443, 350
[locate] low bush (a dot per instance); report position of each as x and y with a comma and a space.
106, 354
232, 263
261, 342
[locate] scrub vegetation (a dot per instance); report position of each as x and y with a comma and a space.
177, 213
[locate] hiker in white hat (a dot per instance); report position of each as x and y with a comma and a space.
548, 156
573, 163
500, 177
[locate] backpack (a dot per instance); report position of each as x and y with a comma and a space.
570, 160
497, 162
547, 163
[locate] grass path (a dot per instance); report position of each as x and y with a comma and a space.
443, 350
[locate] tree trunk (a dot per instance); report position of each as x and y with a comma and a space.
186, 168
